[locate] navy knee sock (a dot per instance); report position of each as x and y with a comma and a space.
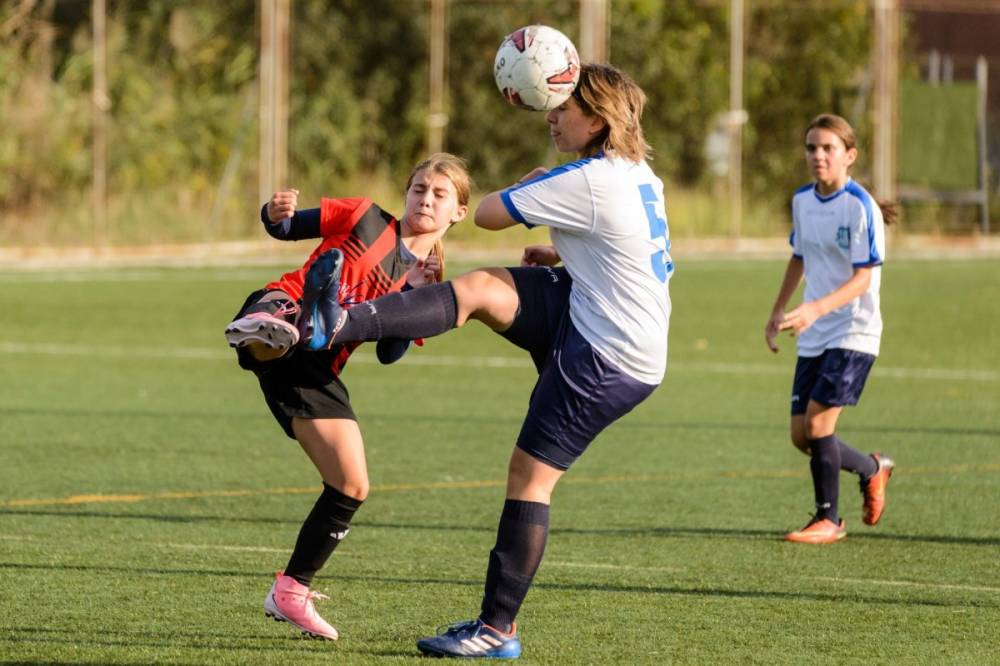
825, 467
521, 536
853, 460
417, 313
321, 533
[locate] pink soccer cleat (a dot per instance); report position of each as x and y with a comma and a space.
292, 602
264, 329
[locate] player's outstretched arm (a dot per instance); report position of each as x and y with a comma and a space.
284, 222
492, 214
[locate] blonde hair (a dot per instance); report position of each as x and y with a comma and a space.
454, 168
834, 123
609, 93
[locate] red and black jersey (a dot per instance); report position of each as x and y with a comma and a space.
374, 264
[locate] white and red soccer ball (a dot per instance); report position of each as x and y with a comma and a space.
537, 68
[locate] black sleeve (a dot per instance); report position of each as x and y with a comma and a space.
304, 224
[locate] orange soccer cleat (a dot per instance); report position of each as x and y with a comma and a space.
819, 530
873, 489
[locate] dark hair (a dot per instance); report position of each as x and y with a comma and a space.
843, 129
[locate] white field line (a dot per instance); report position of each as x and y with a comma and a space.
904, 583
207, 546
442, 360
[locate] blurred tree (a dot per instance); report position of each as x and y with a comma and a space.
182, 77
803, 59
678, 53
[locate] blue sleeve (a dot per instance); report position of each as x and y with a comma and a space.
303, 224
512, 209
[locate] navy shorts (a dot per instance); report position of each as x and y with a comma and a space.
578, 392
300, 384
835, 378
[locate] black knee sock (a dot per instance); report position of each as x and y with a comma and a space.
825, 467
853, 460
514, 560
418, 313
322, 530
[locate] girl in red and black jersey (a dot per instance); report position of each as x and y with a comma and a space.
303, 389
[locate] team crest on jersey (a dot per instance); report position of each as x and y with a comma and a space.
843, 238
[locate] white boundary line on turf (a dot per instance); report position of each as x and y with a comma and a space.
904, 583
442, 360
207, 546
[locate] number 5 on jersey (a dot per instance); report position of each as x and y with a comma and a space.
660, 260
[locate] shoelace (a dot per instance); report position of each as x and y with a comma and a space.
456, 627
287, 308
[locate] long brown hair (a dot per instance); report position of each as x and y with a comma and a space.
842, 128
609, 93
453, 167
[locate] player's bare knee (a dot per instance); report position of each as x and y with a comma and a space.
816, 428
801, 444
355, 488
486, 294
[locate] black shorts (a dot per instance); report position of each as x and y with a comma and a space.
835, 378
543, 297
300, 384
579, 392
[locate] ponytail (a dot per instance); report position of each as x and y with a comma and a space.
438, 251
890, 211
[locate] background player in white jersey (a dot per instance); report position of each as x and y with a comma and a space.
596, 327
838, 246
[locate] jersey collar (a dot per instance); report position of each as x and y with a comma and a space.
834, 195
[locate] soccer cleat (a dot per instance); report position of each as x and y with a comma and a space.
322, 314
262, 328
474, 639
873, 489
819, 530
292, 602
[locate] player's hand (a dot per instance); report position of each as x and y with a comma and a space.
772, 328
539, 255
801, 318
426, 271
534, 173
282, 205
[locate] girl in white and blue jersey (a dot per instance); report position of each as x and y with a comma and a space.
596, 326
838, 247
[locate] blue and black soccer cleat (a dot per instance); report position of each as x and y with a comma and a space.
472, 639
322, 315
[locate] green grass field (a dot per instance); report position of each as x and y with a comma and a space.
147, 497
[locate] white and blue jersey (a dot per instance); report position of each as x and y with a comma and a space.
833, 235
608, 222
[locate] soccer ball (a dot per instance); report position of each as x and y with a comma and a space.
536, 68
